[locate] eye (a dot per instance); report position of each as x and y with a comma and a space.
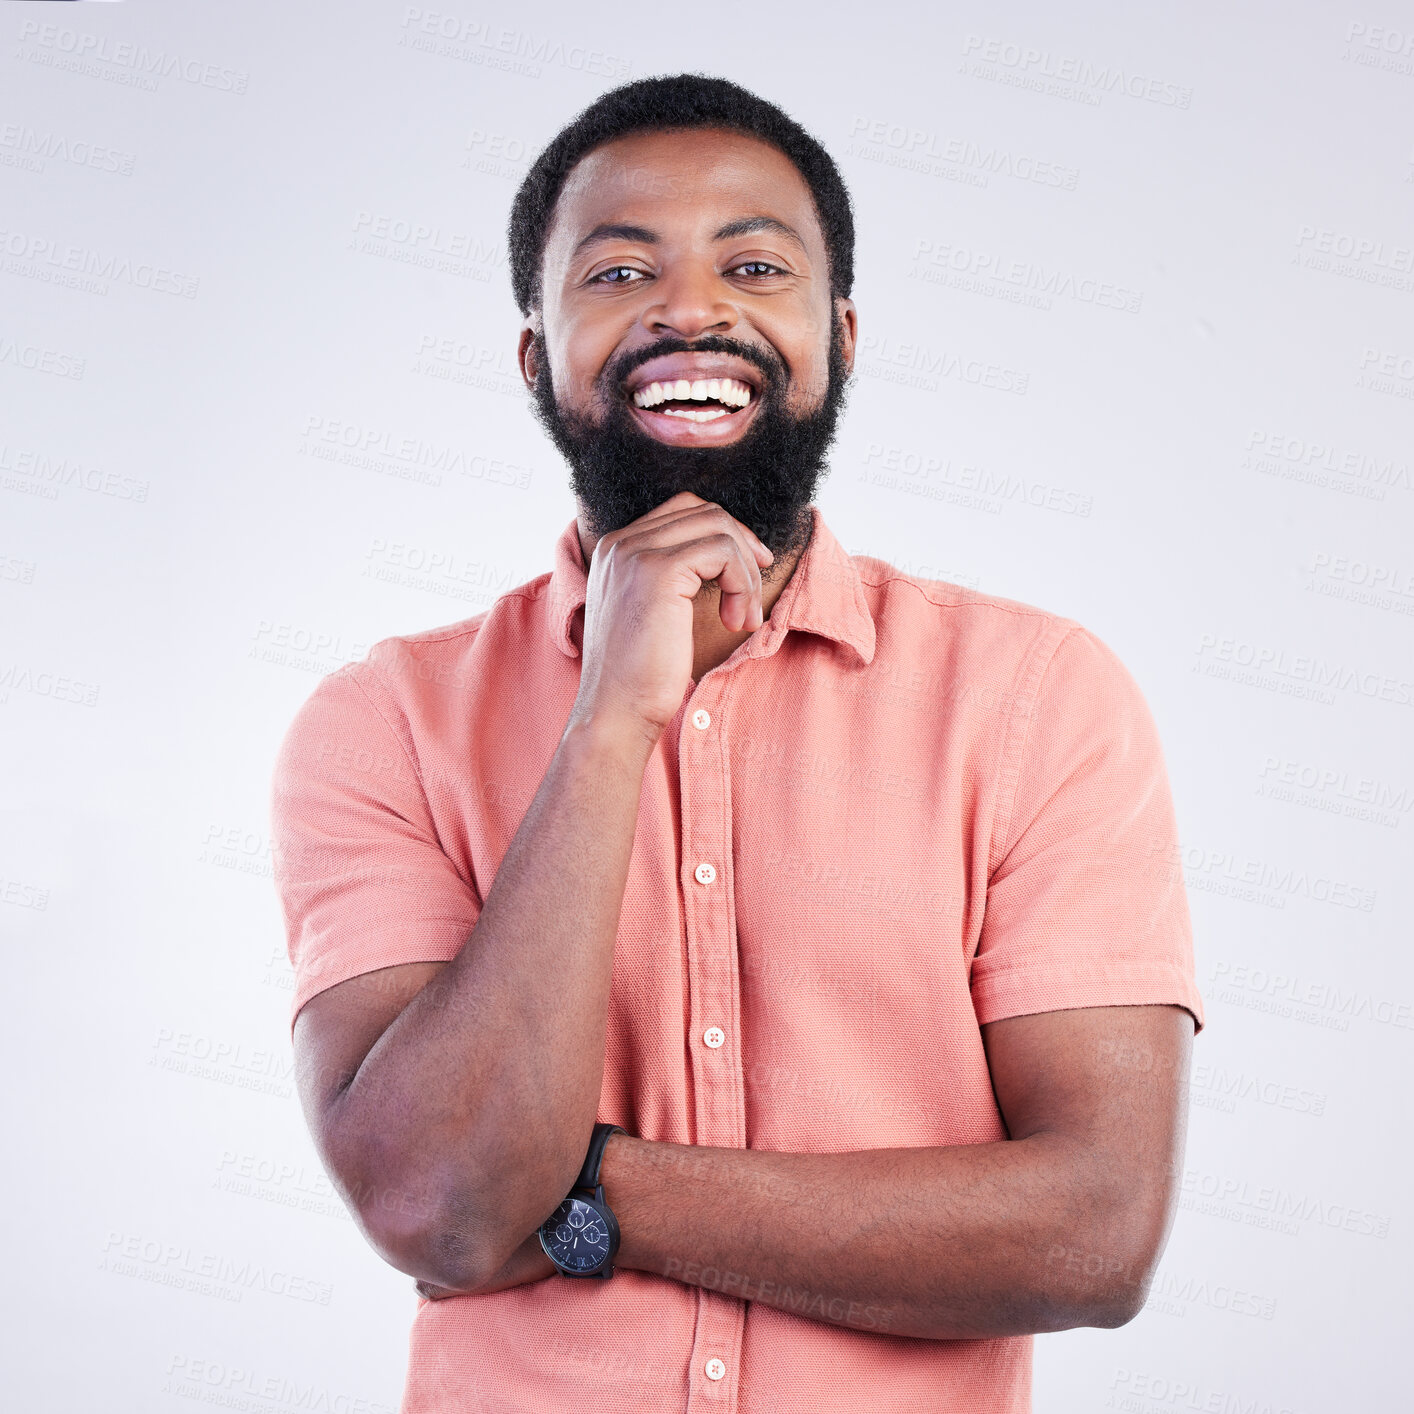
760, 265
600, 279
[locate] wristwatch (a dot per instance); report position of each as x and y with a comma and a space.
581, 1237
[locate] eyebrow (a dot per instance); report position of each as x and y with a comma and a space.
743, 226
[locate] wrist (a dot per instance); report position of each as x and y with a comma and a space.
623, 1173
581, 1237
617, 740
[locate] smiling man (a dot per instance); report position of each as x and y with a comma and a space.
743, 411
731, 973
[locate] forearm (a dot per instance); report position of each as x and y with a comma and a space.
965, 1242
477, 1101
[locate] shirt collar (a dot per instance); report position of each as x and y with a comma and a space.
824, 595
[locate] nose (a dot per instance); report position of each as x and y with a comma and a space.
692, 299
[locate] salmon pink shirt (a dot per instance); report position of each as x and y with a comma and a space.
899, 810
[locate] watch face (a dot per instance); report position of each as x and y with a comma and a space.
576, 1236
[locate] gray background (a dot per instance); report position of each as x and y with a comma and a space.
1136, 296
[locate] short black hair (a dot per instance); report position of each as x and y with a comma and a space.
669, 102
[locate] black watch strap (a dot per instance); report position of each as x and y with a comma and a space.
589, 1174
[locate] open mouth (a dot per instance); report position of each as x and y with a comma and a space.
693, 411
704, 400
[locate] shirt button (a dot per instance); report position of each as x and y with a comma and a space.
715, 1369
704, 873
701, 719
714, 1036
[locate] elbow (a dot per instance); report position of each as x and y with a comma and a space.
447, 1235
1120, 1305
1105, 1239
1103, 1278
442, 1221
1106, 1303
1118, 1291
435, 1232
435, 1240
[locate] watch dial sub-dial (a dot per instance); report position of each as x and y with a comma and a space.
580, 1239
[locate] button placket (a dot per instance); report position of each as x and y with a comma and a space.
705, 798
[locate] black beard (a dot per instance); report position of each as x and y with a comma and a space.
766, 478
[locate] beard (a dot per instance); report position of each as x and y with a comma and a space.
766, 479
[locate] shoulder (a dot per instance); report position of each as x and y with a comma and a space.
386, 696
945, 601
994, 643
405, 667
973, 630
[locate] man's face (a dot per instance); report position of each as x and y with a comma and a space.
681, 259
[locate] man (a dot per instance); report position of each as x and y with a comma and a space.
820, 926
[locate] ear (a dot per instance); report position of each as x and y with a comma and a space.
525, 351
845, 309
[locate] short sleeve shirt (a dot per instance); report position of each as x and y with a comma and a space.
900, 810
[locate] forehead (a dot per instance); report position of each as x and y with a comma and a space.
681, 183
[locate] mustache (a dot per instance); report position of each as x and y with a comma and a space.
770, 365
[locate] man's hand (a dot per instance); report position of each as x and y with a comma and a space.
527, 1263
638, 645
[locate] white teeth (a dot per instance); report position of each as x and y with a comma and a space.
697, 414
729, 391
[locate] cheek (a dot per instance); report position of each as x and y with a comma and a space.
810, 377
579, 354
804, 344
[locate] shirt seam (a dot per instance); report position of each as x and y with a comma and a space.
397, 735
433, 635
1005, 816
1067, 970
982, 601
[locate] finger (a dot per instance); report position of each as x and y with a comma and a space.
737, 606
720, 556
670, 515
672, 507
723, 557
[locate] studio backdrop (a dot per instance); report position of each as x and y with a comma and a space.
1136, 319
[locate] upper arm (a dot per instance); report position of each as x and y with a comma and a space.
1085, 904
368, 891
1108, 1086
